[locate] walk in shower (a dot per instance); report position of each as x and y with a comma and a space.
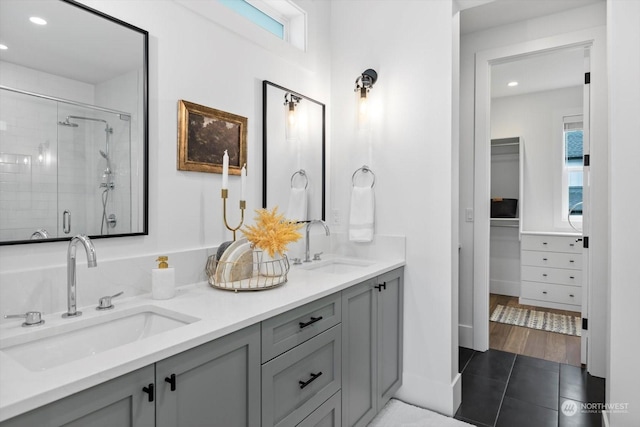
65, 168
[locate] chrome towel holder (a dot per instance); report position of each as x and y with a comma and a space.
364, 169
303, 174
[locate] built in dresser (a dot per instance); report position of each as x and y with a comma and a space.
551, 271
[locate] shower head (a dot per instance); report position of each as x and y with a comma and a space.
68, 123
106, 157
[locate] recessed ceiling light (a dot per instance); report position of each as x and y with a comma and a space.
37, 20
3, 47
512, 84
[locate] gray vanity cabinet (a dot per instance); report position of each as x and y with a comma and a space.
216, 384
119, 402
372, 324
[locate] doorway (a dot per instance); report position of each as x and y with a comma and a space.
484, 132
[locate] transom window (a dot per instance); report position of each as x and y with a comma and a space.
282, 18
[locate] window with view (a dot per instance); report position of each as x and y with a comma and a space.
572, 165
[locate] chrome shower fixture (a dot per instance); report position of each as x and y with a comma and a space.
68, 123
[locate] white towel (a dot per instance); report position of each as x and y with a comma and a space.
297, 209
361, 216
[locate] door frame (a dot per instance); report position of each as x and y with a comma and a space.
482, 162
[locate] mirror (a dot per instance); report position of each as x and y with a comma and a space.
73, 123
293, 153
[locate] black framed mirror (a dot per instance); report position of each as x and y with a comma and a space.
293, 132
73, 123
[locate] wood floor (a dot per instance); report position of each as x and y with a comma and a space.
532, 342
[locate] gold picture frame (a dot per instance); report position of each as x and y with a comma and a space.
204, 134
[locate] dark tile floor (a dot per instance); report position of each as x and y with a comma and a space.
505, 389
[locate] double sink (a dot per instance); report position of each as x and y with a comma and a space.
62, 343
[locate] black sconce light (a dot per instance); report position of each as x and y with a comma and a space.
364, 83
291, 101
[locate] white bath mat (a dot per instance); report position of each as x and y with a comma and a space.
400, 414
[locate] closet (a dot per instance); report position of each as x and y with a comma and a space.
506, 220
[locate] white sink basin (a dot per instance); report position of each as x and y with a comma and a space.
337, 265
56, 345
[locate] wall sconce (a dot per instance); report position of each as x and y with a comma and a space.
291, 101
364, 83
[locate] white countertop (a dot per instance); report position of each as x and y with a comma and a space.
220, 313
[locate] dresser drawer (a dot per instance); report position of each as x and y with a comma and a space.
329, 414
283, 332
297, 382
560, 276
551, 243
552, 259
552, 293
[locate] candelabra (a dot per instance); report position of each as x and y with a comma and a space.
243, 205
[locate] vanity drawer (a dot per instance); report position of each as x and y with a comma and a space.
283, 332
552, 259
551, 243
552, 293
561, 276
329, 414
299, 381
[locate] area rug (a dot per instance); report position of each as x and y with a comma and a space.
560, 323
399, 414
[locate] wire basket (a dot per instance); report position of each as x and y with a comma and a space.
258, 273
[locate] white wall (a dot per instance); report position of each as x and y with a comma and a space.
537, 118
411, 152
534, 29
624, 294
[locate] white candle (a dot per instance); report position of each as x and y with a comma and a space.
243, 182
225, 170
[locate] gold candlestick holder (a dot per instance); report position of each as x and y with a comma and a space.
243, 205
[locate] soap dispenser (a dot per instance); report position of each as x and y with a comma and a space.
163, 280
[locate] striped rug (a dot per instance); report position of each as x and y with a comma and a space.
560, 323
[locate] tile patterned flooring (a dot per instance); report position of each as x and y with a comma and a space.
501, 389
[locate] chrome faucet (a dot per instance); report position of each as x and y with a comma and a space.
71, 270
307, 254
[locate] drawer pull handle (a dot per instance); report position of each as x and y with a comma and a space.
571, 277
171, 380
381, 286
571, 244
544, 274
544, 292
544, 259
149, 391
570, 260
544, 243
303, 384
310, 322
571, 295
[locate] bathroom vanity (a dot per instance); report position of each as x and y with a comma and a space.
324, 349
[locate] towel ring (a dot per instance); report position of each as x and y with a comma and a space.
302, 173
364, 169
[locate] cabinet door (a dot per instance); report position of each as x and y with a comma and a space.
359, 355
118, 402
390, 329
216, 384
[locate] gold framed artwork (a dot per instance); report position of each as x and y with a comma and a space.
205, 133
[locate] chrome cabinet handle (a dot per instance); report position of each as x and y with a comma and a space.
32, 318
66, 222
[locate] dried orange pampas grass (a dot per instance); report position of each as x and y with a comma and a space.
272, 232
